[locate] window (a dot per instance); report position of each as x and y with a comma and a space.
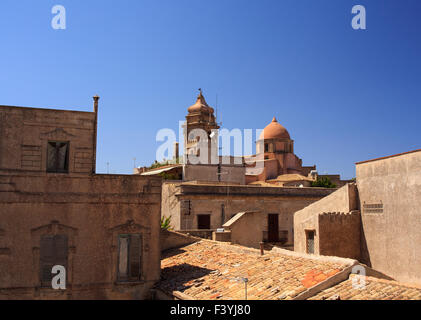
129, 257
58, 157
203, 221
310, 241
53, 251
266, 147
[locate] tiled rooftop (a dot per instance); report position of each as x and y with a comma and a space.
375, 289
211, 270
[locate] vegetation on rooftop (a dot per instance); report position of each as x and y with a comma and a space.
164, 163
323, 182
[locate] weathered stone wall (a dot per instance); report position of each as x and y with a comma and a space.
170, 204
340, 234
171, 239
342, 200
91, 211
390, 197
228, 173
247, 231
221, 236
25, 132
186, 201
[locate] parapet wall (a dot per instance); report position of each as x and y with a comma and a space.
339, 234
171, 239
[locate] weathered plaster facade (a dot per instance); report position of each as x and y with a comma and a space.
335, 223
90, 211
377, 221
390, 199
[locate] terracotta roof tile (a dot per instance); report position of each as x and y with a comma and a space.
375, 289
212, 270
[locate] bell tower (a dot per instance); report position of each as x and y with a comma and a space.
201, 116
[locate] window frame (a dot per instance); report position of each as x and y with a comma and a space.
67, 159
55, 258
308, 232
128, 278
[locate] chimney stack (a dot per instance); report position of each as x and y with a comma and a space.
94, 137
176, 151
96, 98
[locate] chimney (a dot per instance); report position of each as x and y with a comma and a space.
94, 138
96, 98
176, 151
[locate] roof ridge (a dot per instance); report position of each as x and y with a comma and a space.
385, 281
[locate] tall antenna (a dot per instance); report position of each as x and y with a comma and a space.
216, 112
216, 109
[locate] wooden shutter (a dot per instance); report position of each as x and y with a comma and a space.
310, 242
134, 256
53, 251
46, 259
123, 245
51, 156
62, 156
60, 250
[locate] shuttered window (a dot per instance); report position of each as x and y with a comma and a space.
53, 251
58, 157
129, 257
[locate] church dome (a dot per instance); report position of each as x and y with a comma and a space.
200, 105
274, 130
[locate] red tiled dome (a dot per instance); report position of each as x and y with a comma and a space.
274, 130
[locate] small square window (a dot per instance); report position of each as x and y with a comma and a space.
58, 157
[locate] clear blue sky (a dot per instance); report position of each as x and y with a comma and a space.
344, 95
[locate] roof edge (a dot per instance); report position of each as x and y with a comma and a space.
387, 157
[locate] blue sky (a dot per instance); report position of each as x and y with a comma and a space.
344, 95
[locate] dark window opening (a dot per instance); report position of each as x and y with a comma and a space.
58, 157
53, 251
273, 227
129, 257
266, 147
203, 221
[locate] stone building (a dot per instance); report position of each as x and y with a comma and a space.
377, 220
277, 148
201, 208
201, 157
54, 210
213, 189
